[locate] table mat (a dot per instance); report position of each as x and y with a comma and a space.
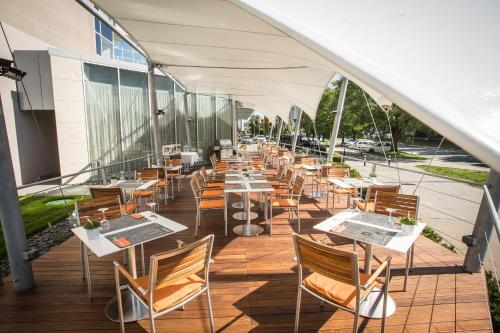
141, 234
257, 186
235, 187
364, 233
130, 184
377, 220
122, 222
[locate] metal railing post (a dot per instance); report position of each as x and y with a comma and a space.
487, 218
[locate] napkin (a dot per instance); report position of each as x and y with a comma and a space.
137, 216
121, 242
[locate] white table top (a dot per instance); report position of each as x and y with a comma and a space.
143, 186
399, 243
247, 188
103, 246
173, 168
352, 182
311, 167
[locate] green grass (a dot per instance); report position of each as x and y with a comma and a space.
465, 174
37, 215
494, 297
402, 155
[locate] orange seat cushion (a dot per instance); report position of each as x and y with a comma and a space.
129, 208
211, 204
143, 193
214, 185
173, 174
280, 191
283, 203
345, 191
370, 206
337, 291
161, 183
169, 294
211, 193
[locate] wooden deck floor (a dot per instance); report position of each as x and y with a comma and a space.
253, 287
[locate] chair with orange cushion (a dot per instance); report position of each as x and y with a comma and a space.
162, 181
175, 175
290, 202
175, 278
335, 278
202, 183
337, 192
114, 191
368, 203
207, 192
146, 175
204, 204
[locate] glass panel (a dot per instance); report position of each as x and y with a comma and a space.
135, 115
206, 125
103, 115
97, 24
97, 44
167, 120
106, 31
107, 48
224, 118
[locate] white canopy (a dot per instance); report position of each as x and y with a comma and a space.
438, 60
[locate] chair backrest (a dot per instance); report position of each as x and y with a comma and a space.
89, 208
175, 161
204, 174
161, 172
298, 186
404, 204
148, 174
168, 267
326, 260
307, 160
106, 192
325, 170
289, 176
373, 189
339, 172
195, 185
297, 159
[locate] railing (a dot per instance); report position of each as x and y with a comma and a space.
492, 209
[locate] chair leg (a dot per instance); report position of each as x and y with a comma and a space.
225, 217
197, 223
119, 300
143, 262
355, 325
210, 313
152, 322
298, 217
407, 268
82, 260
297, 310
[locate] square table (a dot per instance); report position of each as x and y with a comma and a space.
370, 223
102, 246
246, 186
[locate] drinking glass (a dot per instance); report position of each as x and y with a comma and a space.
390, 211
139, 177
122, 173
152, 205
104, 221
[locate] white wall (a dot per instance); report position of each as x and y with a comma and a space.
67, 78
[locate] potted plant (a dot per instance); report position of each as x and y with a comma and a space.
114, 179
373, 176
92, 228
408, 223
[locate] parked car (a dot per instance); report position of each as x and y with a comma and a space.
260, 137
348, 143
377, 147
247, 139
362, 143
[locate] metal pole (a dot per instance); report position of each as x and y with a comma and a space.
188, 134
173, 109
278, 137
297, 129
338, 117
483, 226
235, 124
10, 216
154, 114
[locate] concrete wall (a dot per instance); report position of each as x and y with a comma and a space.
67, 78
38, 25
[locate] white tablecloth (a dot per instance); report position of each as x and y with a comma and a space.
190, 157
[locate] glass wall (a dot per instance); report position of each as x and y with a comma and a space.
119, 120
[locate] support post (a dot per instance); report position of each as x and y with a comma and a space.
188, 133
484, 226
338, 117
278, 136
10, 216
154, 115
235, 122
297, 129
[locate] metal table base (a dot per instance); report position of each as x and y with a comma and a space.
242, 216
248, 230
133, 309
373, 304
241, 205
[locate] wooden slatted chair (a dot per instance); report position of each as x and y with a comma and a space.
175, 278
174, 176
404, 205
336, 192
114, 191
368, 204
207, 191
88, 209
162, 181
145, 175
335, 278
204, 204
284, 186
204, 183
289, 201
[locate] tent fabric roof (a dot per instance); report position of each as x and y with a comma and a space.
437, 60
